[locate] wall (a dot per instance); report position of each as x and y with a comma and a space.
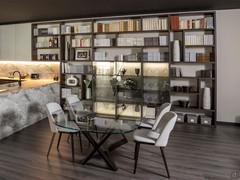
15, 42
228, 65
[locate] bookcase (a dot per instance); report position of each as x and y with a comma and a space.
126, 67
46, 42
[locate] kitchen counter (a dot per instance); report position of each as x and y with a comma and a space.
28, 83
21, 107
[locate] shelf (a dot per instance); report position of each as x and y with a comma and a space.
191, 110
183, 78
78, 61
184, 93
191, 63
105, 100
190, 30
47, 48
199, 46
75, 34
156, 62
107, 47
45, 60
87, 47
132, 32
78, 73
47, 35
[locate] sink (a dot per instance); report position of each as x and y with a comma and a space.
8, 82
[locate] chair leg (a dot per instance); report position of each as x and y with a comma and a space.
59, 139
72, 142
165, 161
50, 146
80, 139
68, 139
137, 147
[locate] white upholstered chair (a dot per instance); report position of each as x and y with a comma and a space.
152, 123
159, 137
56, 115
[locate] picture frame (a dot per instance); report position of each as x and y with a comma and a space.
82, 54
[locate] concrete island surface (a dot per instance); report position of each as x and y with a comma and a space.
25, 105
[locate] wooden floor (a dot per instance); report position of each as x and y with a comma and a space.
193, 153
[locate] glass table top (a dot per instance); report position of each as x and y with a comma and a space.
100, 125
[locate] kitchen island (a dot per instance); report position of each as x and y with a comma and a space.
25, 105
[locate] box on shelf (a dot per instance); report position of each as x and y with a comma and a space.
206, 120
180, 117
192, 118
204, 57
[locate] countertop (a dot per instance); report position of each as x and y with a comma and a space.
26, 83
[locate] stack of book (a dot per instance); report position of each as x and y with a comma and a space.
100, 56
118, 26
151, 41
46, 31
206, 39
83, 42
149, 24
163, 40
104, 42
155, 56
130, 41
76, 68
191, 22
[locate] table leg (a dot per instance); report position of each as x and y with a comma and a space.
117, 144
97, 148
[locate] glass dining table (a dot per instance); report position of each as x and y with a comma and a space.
104, 128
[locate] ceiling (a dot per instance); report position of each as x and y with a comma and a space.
12, 11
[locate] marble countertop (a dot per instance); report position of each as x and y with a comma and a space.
26, 83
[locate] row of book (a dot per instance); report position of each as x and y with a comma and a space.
76, 28
136, 41
76, 68
146, 56
46, 31
186, 22
155, 56
154, 24
118, 26
83, 42
206, 39
52, 57
198, 57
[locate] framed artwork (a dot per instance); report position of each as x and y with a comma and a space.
82, 54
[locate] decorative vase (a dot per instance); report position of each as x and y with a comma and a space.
88, 93
206, 98
176, 51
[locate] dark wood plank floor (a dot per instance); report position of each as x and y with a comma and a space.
193, 153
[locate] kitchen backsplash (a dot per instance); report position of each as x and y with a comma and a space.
46, 70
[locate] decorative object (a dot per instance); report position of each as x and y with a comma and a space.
82, 54
88, 88
137, 71
176, 51
123, 71
206, 98
71, 81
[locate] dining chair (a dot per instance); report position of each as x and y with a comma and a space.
159, 137
56, 115
75, 108
152, 123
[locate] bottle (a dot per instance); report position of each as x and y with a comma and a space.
50, 43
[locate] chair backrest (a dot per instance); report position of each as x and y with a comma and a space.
55, 114
74, 104
165, 127
164, 108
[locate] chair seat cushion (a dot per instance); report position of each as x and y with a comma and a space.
142, 135
151, 121
144, 124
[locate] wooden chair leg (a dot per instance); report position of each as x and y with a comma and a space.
137, 147
59, 139
165, 161
72, 142
80, 139
50, 146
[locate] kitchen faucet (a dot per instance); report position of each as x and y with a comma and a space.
19, 81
